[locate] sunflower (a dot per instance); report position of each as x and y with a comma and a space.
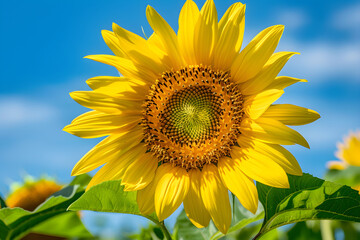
348, 152
191, 117
31, 193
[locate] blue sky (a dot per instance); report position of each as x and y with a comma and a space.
43, 44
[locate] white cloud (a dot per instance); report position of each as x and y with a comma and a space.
292, 18
322, 60
348, 18
15, 111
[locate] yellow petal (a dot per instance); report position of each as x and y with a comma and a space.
193, 203
272, 131
231, 39
336, 165
107, 150
282, 82
272, 152
223, 21
115, 85
146, 197
138, 50
215, 197
188, 17
140, 172
253, 57
155, 42
290, 114
258, 168
238, 183
116, 168
171, 191
86, 163
206, 34
267, 75
96, 124
105, 103
113, 43
126, 67
256, 105
167, 35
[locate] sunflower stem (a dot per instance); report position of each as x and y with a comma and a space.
326, 231
165, 231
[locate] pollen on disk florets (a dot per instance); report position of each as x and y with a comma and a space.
192, 116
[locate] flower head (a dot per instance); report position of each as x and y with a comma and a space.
31, 193
192, 116
348, 152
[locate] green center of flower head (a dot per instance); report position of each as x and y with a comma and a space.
192, 114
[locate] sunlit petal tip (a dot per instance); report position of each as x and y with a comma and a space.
193, 203
285, 185
103, 32
279, 27
306, 144
238, 183
74, 172
89, 56
77, 171
150, 11
114, 25
317, 115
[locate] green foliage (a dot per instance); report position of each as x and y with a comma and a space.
349, 176
47, 218
3, 230
351, 230
305, 231
152, 232
238, 226
81, 180
2, 203
66, 225
308, 198
184, 229
109, 197
19, 221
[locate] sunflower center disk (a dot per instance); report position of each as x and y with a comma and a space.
192, 116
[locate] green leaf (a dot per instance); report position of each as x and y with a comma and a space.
109, 197
349, 176
239, 225
3, 230
20, 221
184, 229
81, 180
152, 232
67, 225
308, 198
2, 203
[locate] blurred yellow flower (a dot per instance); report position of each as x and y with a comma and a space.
348, 152
192, 116
32, 193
